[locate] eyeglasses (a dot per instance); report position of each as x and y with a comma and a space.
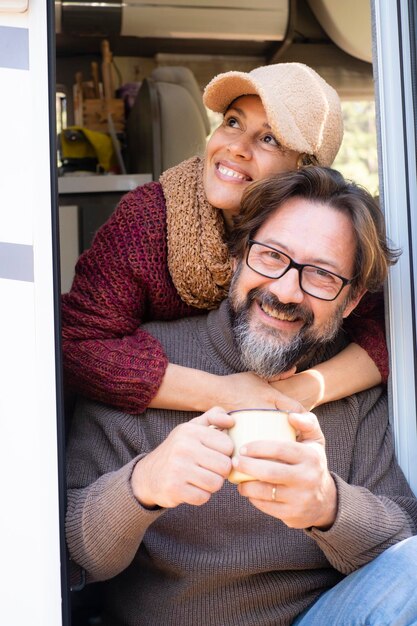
315, 281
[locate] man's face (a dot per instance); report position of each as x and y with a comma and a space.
275, 322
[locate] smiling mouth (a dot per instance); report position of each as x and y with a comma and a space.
278, 315
226, 171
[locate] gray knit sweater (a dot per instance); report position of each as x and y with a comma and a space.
224, 563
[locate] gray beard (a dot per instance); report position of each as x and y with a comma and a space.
262, 356
264, 350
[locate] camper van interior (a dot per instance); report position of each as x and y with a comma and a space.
151, 61
99, 97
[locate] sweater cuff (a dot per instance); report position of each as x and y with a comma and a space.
122, 511
359, 531
106, 533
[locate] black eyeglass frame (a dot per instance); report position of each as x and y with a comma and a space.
299, 267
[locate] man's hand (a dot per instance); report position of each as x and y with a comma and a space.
189, 466
292, 482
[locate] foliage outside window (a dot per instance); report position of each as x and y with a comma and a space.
357, 158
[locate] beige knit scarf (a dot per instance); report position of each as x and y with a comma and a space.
198, 259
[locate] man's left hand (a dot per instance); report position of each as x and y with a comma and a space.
292, 482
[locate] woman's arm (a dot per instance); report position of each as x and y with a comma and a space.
349, 372
360, 366
187, 389
119, 281
366, 327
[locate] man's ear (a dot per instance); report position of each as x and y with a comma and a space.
352, 304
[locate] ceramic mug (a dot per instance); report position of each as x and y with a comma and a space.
257, 425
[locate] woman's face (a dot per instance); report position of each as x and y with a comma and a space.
242, 150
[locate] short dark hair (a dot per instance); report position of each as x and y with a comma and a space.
325, 186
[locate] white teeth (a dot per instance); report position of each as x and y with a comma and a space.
227, 172
278, 316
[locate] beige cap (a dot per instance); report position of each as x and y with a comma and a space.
303, 111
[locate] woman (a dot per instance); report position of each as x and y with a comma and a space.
163, 255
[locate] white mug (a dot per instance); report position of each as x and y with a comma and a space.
257, 425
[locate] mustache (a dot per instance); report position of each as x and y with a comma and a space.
290, 310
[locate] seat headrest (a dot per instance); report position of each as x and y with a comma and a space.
184, 77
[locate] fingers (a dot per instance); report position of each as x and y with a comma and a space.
307, 427
308, 430
194, 496
264, 469
285, 461
217, 440
211, 430
193, 482
279, 501
210, 481
285, 403
287, 452
267, 492
187, 494
215, 417
215, 437
298, 506
217, 461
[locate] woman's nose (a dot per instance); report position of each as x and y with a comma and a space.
287, 288
241, 146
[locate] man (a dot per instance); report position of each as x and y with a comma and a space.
150, 511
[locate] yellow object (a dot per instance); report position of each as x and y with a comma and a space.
83, 143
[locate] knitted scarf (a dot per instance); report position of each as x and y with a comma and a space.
198, 258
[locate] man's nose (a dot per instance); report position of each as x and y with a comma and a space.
287, 288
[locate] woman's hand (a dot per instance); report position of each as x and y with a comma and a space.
348, 372
307, 388
189, 466
248, 391
187, 389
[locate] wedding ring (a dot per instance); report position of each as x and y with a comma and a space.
274, 494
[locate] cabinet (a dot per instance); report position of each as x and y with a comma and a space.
85, 203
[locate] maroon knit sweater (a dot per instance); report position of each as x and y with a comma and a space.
122, 281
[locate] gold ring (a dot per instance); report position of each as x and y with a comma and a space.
274, 494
